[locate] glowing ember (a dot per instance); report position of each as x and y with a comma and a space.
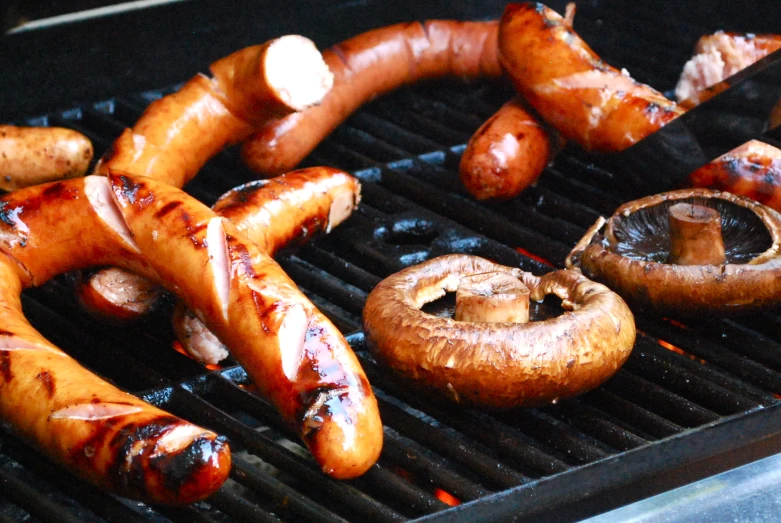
534, 257
670, 346
446, 497
676, 323
178, 348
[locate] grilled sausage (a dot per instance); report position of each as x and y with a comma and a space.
288, 209
293, 353
177, 134
367, 66
587, 100
602, 108
33, 155
298, 359
111, 438
506, 154
275, 213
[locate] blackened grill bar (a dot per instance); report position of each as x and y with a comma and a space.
692, 400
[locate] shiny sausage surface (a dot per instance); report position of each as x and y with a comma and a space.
369, 65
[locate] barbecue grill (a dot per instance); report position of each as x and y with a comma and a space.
694, 399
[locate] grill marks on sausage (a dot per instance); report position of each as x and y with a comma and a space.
167, 208
47, 380
5, 366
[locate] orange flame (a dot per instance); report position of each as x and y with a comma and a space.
178, 348
534, 256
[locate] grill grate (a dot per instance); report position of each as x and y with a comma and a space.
688, 394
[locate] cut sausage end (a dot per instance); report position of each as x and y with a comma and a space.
695, 235
94, 411
492, 297
101, 197
292, 335
218, 256
118, 295
341, 208
196, 338
296, 70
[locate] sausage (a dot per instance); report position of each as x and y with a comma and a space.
505, 364
33, 155
288, 209
178, 133
106, 436
298, 359
506, 154
275, 213
717, 57
752, 170
587, 100
116, 295
602, 108
367, 66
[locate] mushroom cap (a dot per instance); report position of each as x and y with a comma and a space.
629, 257
498, 364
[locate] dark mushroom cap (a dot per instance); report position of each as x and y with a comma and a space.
629, 257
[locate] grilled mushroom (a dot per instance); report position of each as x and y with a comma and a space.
498, 364
639, 257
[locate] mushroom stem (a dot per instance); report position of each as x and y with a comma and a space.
492, 297
695, 235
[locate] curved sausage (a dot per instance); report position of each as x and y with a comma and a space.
367, 66
602, 108
498, 364
506, 154
298, 359
107, 436
33, 155
587, 100
273, 213
177, 134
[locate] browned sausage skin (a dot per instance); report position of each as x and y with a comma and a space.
293, 353
367, 66
602, 108
587, 100
273, 213
107, 436
506, 154
298, 359
33, 155
177, 134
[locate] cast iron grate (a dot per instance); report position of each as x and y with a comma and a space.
684, 396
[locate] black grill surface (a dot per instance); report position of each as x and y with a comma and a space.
692, 400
